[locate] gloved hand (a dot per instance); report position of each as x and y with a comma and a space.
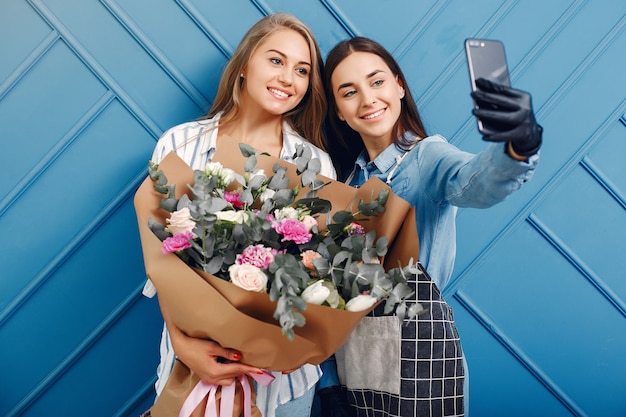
507, 116
334, 402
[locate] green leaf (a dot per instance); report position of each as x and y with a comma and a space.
250, 163
256, 182
278, 181
308, 178
301, 164
169, 204
315, 165
343, 216
283, 198
214, 265
315, 205
247, 150
381, 246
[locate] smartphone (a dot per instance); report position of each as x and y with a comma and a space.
486, 59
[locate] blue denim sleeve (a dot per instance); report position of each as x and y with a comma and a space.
329, 373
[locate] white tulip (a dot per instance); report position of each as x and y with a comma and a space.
316, 293
360, 302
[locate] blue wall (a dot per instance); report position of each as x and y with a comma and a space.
86, 87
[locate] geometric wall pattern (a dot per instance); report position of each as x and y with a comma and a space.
87, 87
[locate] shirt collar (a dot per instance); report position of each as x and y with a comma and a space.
209, 139
384, 161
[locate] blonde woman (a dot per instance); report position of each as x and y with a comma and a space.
271, 97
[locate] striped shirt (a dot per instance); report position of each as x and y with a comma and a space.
193, 142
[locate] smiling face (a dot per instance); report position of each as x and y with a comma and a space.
368, 97
276, 77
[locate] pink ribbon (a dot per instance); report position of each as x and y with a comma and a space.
202, 388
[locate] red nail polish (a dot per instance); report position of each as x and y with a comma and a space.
259, 372
237, 356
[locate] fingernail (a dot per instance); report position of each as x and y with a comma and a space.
259, 372
237, 356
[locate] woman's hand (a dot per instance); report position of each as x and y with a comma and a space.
507, 116
206, 358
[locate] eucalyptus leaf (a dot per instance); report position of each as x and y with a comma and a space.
256, 182
308, 178
169, 204
315, 165
301, 164
381, 246
250, 163
283, 198
247, 150
343, 216
214, 265
278, 181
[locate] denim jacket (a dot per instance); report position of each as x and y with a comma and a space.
436, 177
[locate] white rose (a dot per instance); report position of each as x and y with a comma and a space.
227, 175
309, 222
248, 277
266, 195
286, 213
234, 216
360, 302
316, 293
180, 222
213, 168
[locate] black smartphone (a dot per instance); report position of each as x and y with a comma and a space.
486, 59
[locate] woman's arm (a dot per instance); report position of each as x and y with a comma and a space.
206, 357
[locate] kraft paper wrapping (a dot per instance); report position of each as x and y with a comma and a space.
205, 306
180, 383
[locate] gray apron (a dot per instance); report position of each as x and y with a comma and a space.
408, 369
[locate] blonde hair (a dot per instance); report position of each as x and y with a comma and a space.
308, 116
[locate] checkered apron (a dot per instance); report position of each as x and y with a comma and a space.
431, 373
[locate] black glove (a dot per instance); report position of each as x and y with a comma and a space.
334, 402
507, 116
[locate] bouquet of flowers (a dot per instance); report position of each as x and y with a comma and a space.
257, 232
246, 258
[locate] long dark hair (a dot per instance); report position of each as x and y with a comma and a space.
345, 143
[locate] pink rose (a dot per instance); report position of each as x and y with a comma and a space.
177, 242
248, 277
309, 222
308, 257
294, 230
180, 221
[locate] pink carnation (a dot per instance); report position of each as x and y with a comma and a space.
178, 241
294, 230
233, 198
257, 255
